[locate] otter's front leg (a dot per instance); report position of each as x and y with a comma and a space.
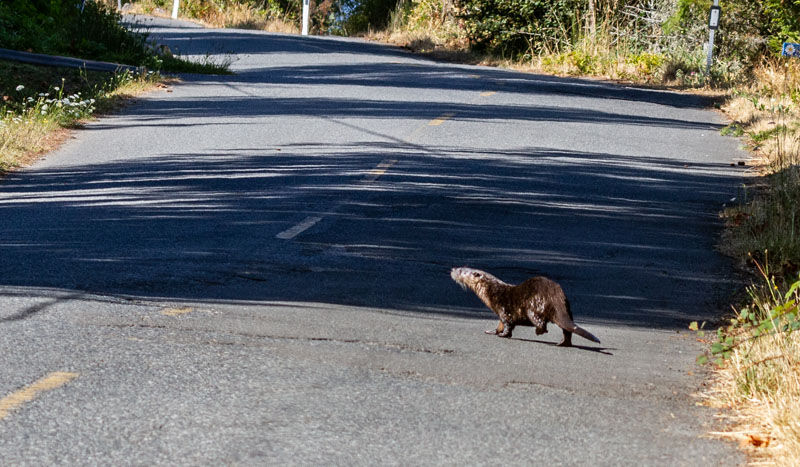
503, 329
496, 331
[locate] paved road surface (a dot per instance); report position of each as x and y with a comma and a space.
253, 269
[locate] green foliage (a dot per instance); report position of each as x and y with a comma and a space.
59, 27
514, 27
577, 59
357, 16
647, 63
784, 21
771, 313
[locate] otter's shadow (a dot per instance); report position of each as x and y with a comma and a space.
602, 350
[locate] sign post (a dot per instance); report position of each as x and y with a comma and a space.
305, 17
713, 23
175, 4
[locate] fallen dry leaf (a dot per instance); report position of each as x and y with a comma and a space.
759, 441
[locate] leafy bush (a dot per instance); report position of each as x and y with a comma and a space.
59, 27
514, 27
357, 16
784, 21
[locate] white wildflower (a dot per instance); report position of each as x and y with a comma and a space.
20, 88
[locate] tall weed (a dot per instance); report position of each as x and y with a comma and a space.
758, 357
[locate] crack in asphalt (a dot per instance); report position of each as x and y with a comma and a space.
385, 345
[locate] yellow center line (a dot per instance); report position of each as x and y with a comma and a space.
488, 93
177, 311
379, 170
28, 393
440, 119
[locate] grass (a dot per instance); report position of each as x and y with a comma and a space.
758, 374
766, 113
39, 103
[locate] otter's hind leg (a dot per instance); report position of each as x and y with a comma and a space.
567, 340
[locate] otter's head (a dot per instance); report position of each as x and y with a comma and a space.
473, 279
482, 283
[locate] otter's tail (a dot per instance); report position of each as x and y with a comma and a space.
566, 323
584, 333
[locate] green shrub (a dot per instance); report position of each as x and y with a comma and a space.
59, 27
357, 16
784, 21
514, 27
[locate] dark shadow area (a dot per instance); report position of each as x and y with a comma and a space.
431, 75
600, 350
168, 111
618, 232
630, 238
33, 310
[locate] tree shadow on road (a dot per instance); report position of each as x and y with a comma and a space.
629, 235
616, 231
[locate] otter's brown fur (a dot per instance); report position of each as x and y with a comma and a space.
535, 302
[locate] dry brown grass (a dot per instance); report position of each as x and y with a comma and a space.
767, 112
767, 115
759, 383
28, 136
228, 15
21, 143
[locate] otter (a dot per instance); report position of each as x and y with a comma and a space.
535, 302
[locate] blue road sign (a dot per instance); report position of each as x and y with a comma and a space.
790, 49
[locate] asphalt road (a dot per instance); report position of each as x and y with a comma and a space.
254, 269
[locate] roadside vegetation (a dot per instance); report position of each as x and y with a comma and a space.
34, 114
39, 101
